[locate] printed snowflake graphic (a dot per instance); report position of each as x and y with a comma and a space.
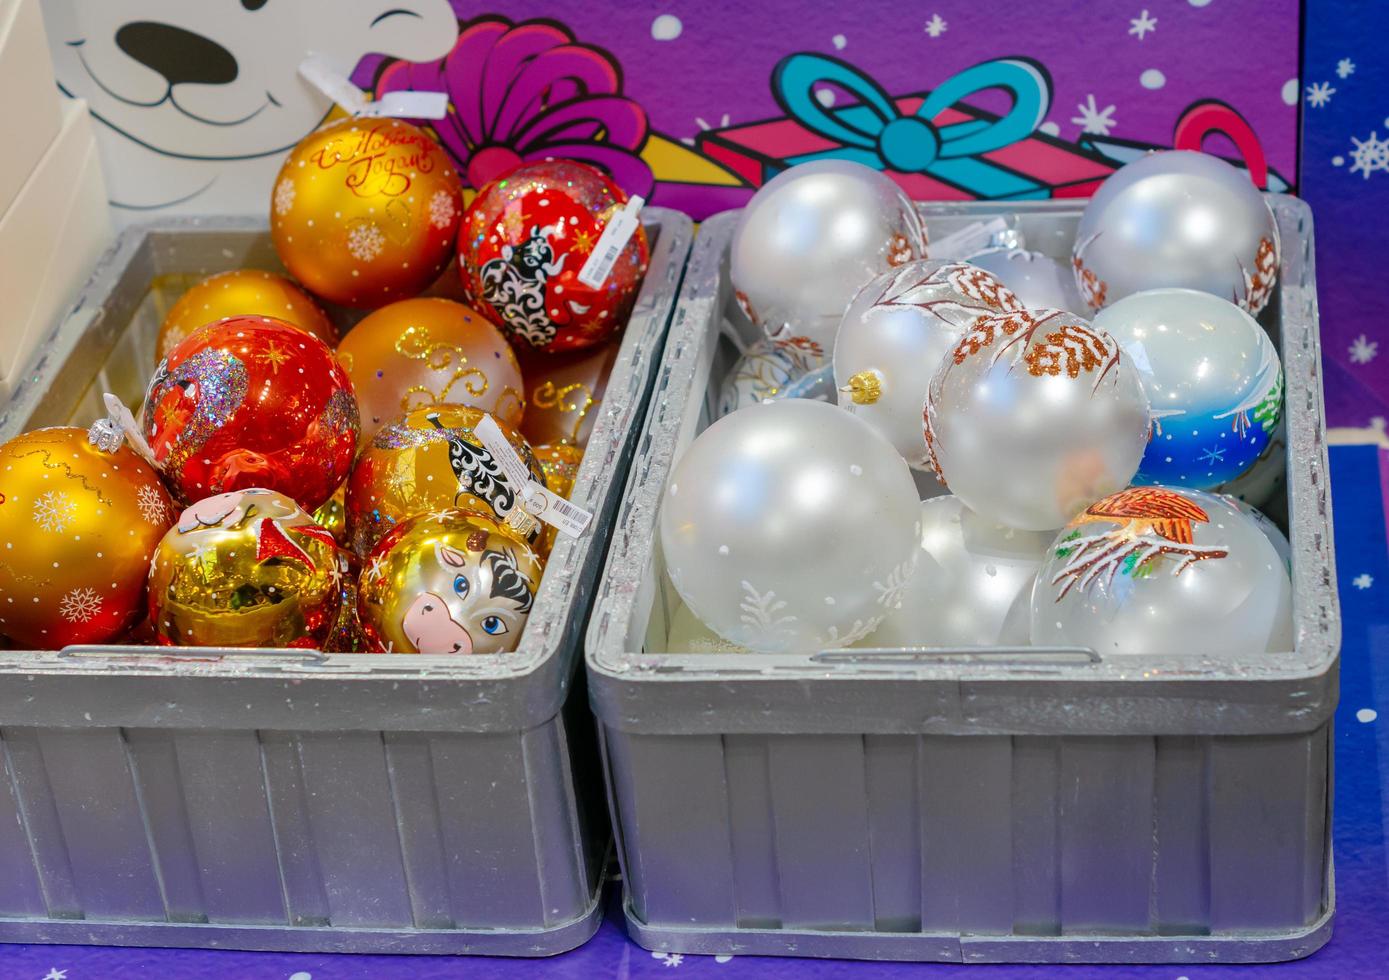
365, 241
1319, 94
1363, 350
441, 209
1142, 25
1093, 119
152, 506
79, 605
1363, 581
1369, 155
1345, 68
670, 959
54, 512
284, 196
935, 27
55, 974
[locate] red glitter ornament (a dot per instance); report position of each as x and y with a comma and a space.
525, 239
250, 401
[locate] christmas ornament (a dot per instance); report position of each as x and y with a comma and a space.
1034, 415
1177, 218
366, 211
332, 515
1213, 380
794, 367
1038, 281
560, 465
525, 241
564, 393
810, 237
1272, 531
78, 524
456, 582
422, 352
790, 526
243, 292
429, 460
973, 583
346, 636
1161, 570
251, 402
894, 335
246, 568
1261, 483
688, 635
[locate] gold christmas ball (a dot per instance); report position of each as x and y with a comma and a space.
332, 515
422, 352
247, 568
564, 393
78, 525
456, 582
243, 292
560, 464
430, 460
366, 211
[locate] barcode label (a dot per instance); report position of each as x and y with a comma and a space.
402, 105
554, 510
537, 501
513, 466
611, 243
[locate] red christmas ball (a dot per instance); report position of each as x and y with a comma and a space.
525, 239
251, 401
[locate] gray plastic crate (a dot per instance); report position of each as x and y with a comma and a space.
291, 800
968, 805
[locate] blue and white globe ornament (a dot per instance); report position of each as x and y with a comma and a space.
1214, 383
772, 369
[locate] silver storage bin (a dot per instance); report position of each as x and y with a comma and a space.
279, 799
968, 805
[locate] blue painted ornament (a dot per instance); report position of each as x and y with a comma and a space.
1213, 379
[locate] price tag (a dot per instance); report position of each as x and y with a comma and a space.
537, 501
969, 239
338, 87
611, 243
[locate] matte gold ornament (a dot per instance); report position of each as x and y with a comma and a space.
426, 461
366, 211
247, 568
456, 582
422, 352
564, 393
243, 292
78, 525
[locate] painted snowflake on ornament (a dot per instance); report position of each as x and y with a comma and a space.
442, 209
365, 241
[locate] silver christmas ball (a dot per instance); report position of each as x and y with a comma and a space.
1161, 570
1177, 218
810, 237
894, 335
972, 585
1039, 281
1035, 415
771, 369
1213, 379
790, 526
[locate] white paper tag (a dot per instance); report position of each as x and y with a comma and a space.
537, 501
611, 243
118, 414
968, 240
338, 87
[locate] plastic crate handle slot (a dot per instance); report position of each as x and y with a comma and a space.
135, 655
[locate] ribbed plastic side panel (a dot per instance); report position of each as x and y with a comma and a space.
292, 830
1004, 836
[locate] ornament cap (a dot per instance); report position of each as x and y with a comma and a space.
864, 388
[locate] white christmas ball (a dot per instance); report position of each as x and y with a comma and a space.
972, 585
810, 237
790, 526
688, 635
1272, 531
1162, 570
1177, 218
894, 335
1034, 416
1213, 378
1039, 281
795, 367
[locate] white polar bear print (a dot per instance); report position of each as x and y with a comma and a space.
197, 103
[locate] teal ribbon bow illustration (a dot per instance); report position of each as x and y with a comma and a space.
885, 138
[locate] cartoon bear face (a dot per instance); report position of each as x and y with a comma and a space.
204, 81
